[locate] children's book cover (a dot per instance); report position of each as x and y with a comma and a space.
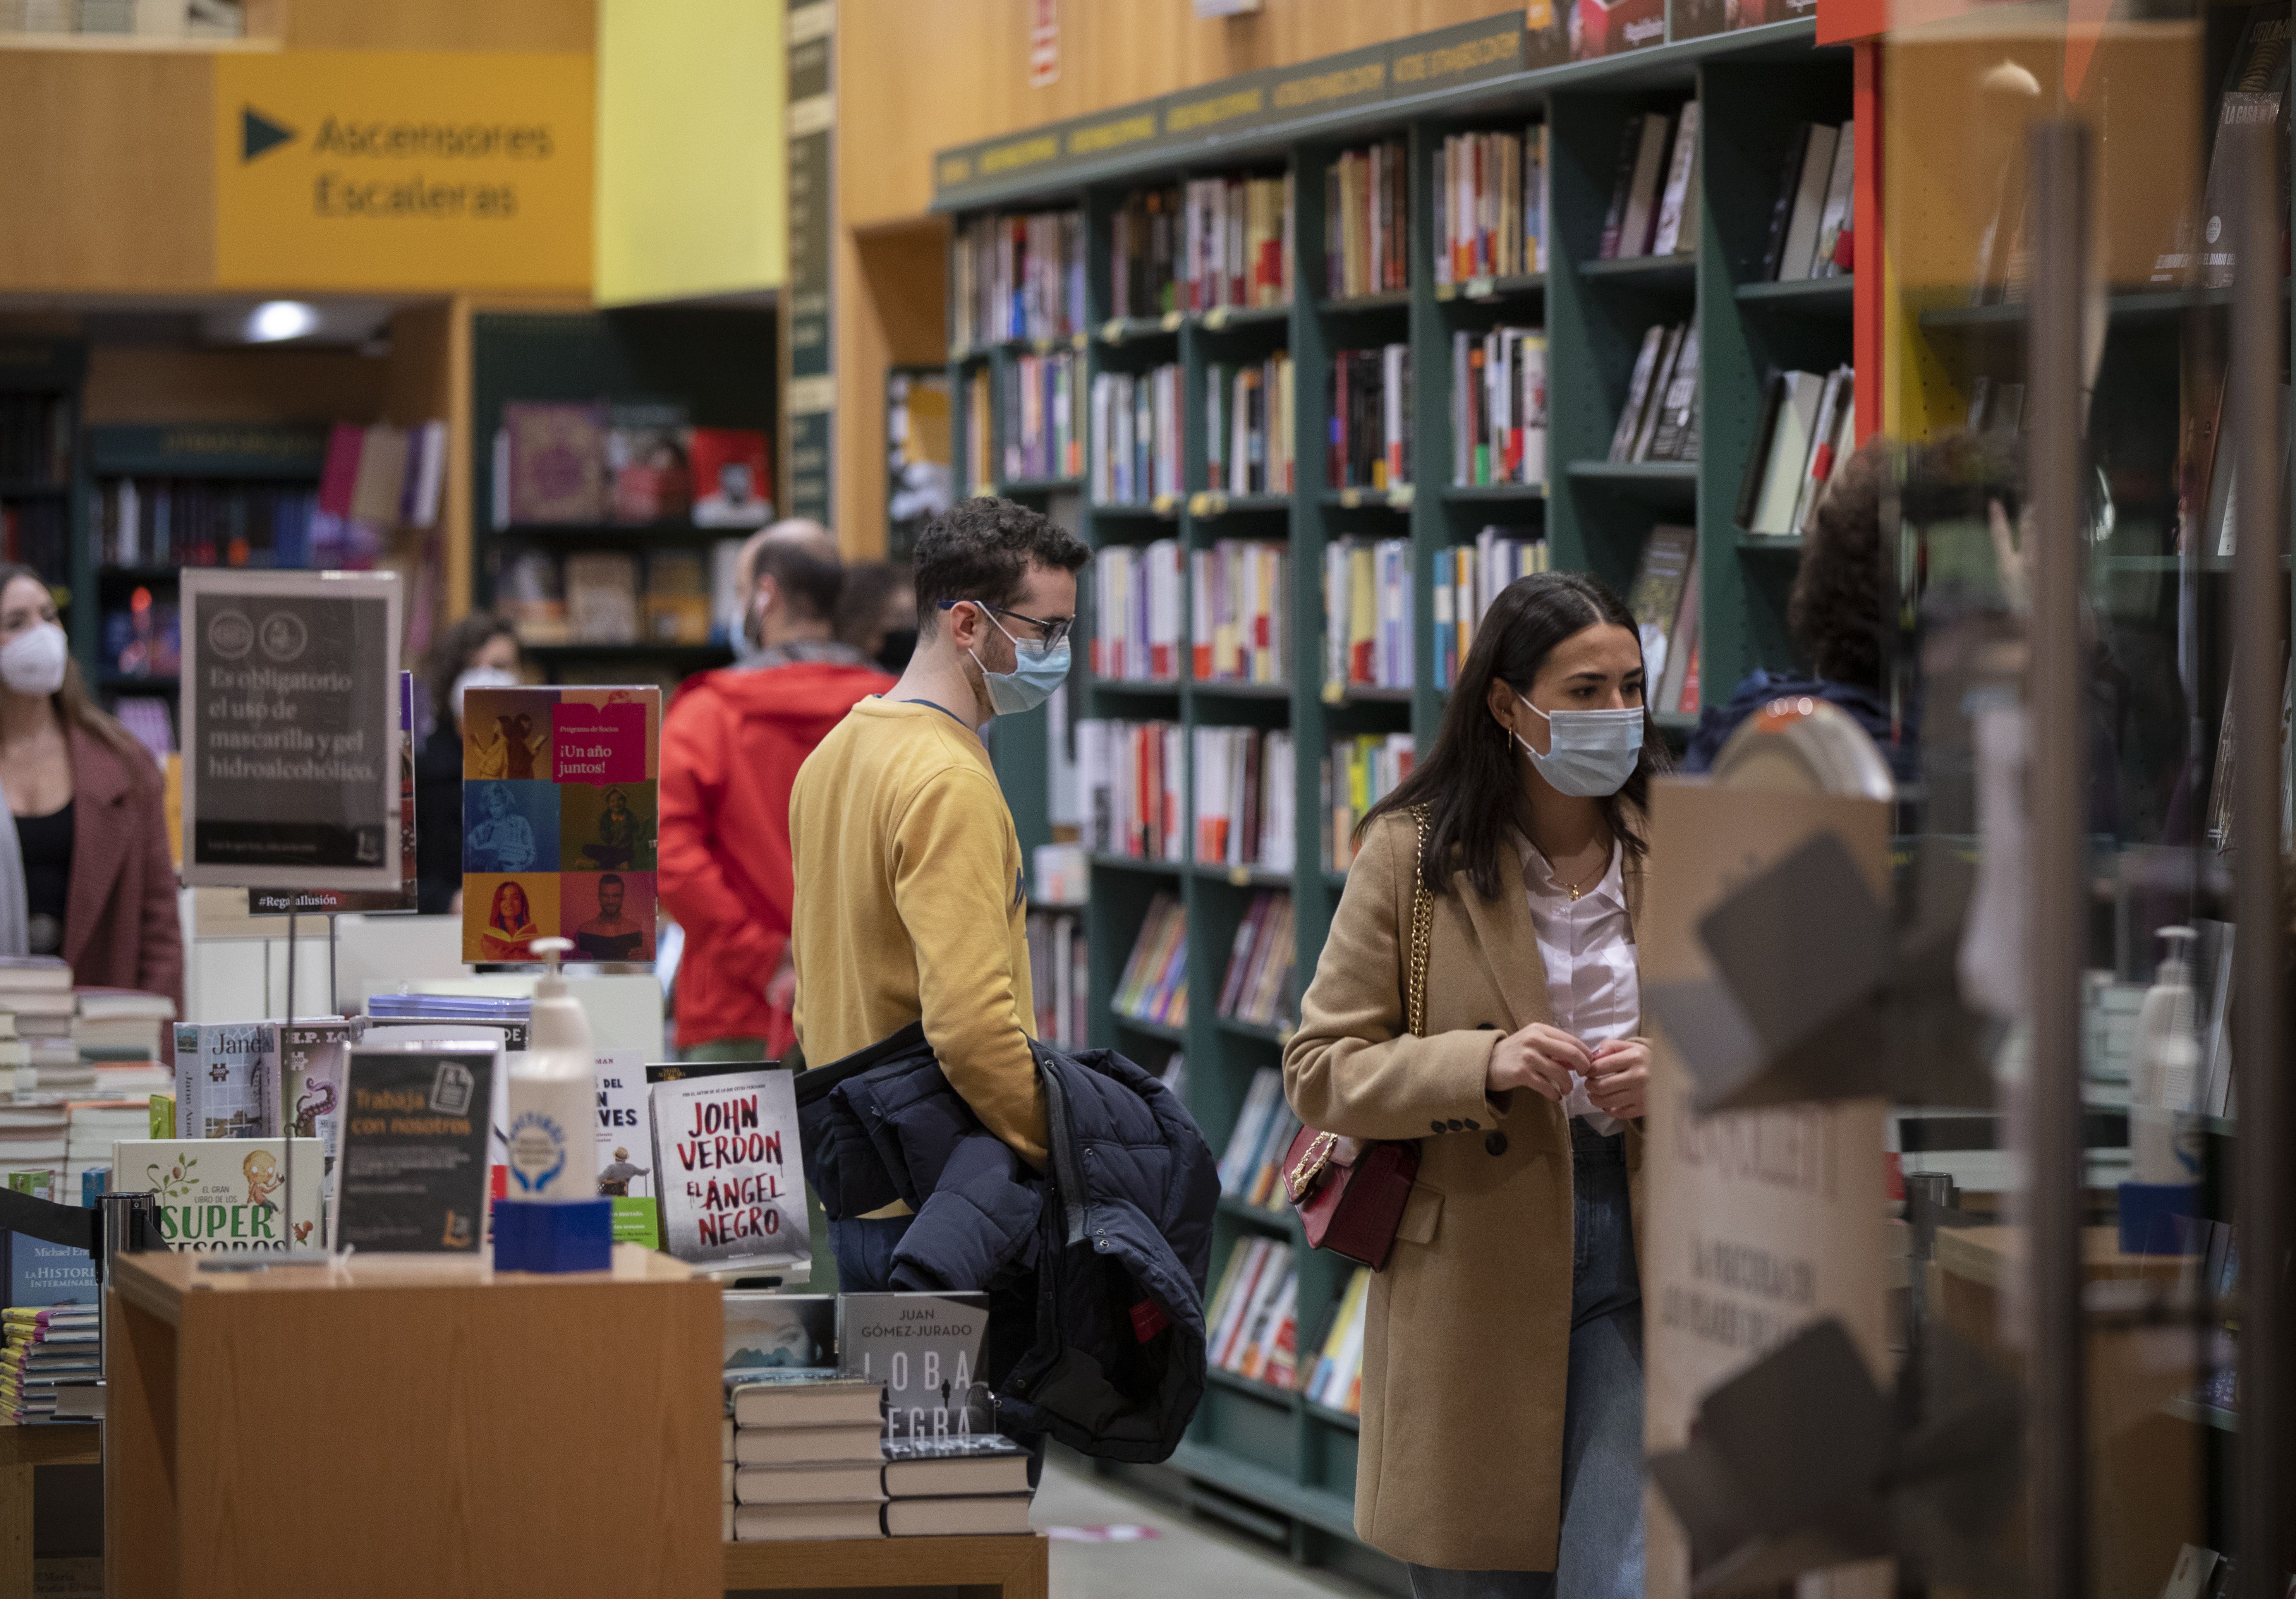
226, 1194
561, 801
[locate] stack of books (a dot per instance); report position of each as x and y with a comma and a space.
119, 1032
1252, 1167
1360, 773
1239, 603
15, 1055
1490, 207
1370, 396
974, 1485
91, 1126
808, 1455
37, 989
48, 1347
33, 1141
1154, 985
1367, 210
1244, 800
1019, 277
1135, 612
1644, 218
1248, 421
1254, 1315
1257, 985
1135, 437
1334, 1381
1134, 784
1468, 577
1660, 420
1498, 406
1367, 614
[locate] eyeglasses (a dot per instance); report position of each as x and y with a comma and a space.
1052, 629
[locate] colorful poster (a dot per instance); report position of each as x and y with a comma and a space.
560, 807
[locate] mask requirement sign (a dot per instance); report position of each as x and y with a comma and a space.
290, 736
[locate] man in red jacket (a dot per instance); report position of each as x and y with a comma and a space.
731, 745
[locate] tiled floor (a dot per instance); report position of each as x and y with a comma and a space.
1185, 1558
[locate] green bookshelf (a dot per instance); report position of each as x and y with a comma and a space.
1256, 1456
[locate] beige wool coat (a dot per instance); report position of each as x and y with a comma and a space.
1467, 1331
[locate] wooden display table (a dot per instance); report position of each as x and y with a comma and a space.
386, 1428
978, 1568
22, 1451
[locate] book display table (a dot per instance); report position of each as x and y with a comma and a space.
23, 1450
384, 1429
978, 1568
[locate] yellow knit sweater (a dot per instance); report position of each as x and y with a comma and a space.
911, 904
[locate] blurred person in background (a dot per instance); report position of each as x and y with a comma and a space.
91, 878
478, 652
731, 744
746, 647
877, 613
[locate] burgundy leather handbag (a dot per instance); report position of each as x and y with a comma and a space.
1350, 1192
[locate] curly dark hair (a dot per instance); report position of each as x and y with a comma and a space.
982, 549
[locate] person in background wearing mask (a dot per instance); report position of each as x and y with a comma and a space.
93, 878
1524, 1081
478, 652
746, 647
911, 891
731, 745
877, 613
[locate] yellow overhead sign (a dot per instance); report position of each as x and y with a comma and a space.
400, 170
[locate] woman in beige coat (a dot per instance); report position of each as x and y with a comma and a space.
1501, 1380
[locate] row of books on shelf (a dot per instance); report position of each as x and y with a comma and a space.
1644, 218
1135, 430
1468, 577
36, 440
587, 462
1808, 432
1057, 978
1248, 426
1359, 774
1018, 277
1490, 205
1209, 243
1369, 391
1153, 985
1257, 986
1255, 1322
1664, 601
1366, 221
1043, 407
1237, 611
1367, 586
1136, 611
597, 596
209, 522
1252, 1167
38, 534
1131, 778
1660, 420
1246, 805
1813, 213
1498, 406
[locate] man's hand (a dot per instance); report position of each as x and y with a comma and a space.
1540, 1058
1619, 1080
781, 987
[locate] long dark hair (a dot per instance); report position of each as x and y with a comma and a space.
1472, 779
75, 707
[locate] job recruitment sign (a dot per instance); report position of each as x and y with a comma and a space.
400, 170
290, 736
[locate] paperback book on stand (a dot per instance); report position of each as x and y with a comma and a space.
731, 1195
926, 1350
225, 1195
225, 1086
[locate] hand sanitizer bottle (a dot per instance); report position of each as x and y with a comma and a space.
553, 1137
552, 1219
2164, 1154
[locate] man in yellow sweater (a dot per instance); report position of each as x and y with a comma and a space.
911, 893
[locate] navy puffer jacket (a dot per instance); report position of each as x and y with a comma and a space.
1096, 1271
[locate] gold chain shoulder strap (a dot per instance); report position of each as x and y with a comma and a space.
1422, 928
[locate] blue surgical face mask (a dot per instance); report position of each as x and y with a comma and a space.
1589, 753
1038, 669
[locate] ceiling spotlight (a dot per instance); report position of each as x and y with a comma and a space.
277, 319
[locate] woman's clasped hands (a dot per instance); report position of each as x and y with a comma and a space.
1543, 1058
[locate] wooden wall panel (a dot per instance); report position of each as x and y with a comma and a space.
126, 383
442, 25
107, 184
896, 313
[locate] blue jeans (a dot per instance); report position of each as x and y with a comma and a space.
1601, 1548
